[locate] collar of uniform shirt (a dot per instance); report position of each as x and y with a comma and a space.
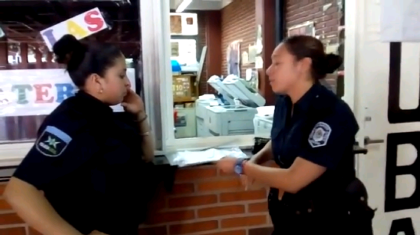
303, 104
91, 106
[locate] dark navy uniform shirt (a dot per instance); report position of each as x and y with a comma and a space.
321, 129
89, 165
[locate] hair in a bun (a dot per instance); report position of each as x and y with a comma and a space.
82, 60
332, 63
69, 51
304, 46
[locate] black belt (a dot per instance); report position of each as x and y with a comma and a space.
295, 204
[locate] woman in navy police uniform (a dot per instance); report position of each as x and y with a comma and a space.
312, 139
91, 167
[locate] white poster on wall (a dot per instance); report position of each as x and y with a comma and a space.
233, 58
39, 91
400, 20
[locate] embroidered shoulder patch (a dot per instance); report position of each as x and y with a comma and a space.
319, 135
52, 142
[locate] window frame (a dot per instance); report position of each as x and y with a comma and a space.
157, 74
162, 43
13, 153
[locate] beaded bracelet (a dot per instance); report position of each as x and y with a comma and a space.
142, 120
145, 133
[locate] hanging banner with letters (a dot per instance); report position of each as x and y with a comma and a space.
38, 91
80, 26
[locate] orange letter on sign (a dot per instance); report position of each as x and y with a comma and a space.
74, 29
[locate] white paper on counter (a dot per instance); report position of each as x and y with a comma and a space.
400, 20
187, 158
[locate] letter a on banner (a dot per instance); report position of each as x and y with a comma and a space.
76, 30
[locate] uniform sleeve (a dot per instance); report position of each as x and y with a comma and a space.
55, 154
329, 140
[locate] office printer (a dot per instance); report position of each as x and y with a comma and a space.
201, 113
263, 121
222, 98
235, 118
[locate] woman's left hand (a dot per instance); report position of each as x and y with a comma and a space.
133, 102
227, 164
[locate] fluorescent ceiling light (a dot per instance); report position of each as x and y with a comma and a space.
184, 4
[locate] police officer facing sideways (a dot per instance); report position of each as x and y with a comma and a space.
312, 139
91, 167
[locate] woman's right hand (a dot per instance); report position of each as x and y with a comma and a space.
247, 181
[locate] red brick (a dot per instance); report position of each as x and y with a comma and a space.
183, 188
258, 207
190, 174
193, 227
234, 232
244, 221
219, 184
192, 201
13, 231
4, 205
220, 211
243, 196
172, 216
10, 218
221, 173
161, 230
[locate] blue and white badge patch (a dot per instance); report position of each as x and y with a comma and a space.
319, 135
52, 142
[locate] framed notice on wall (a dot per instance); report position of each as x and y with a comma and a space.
176, 24
183, 24
174, 49
306, 28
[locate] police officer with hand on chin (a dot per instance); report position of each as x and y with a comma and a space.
93, 168
312, 141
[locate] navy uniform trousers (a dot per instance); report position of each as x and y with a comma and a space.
290, 218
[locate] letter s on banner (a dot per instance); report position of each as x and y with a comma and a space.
94, 21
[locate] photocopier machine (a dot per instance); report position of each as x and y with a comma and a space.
232, 112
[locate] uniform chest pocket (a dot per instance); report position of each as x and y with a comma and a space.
290, 146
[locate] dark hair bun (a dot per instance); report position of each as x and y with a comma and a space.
332, 63
66, 47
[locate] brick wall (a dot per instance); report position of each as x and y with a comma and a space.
203, 201
325, 15
203, 88
238, 23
